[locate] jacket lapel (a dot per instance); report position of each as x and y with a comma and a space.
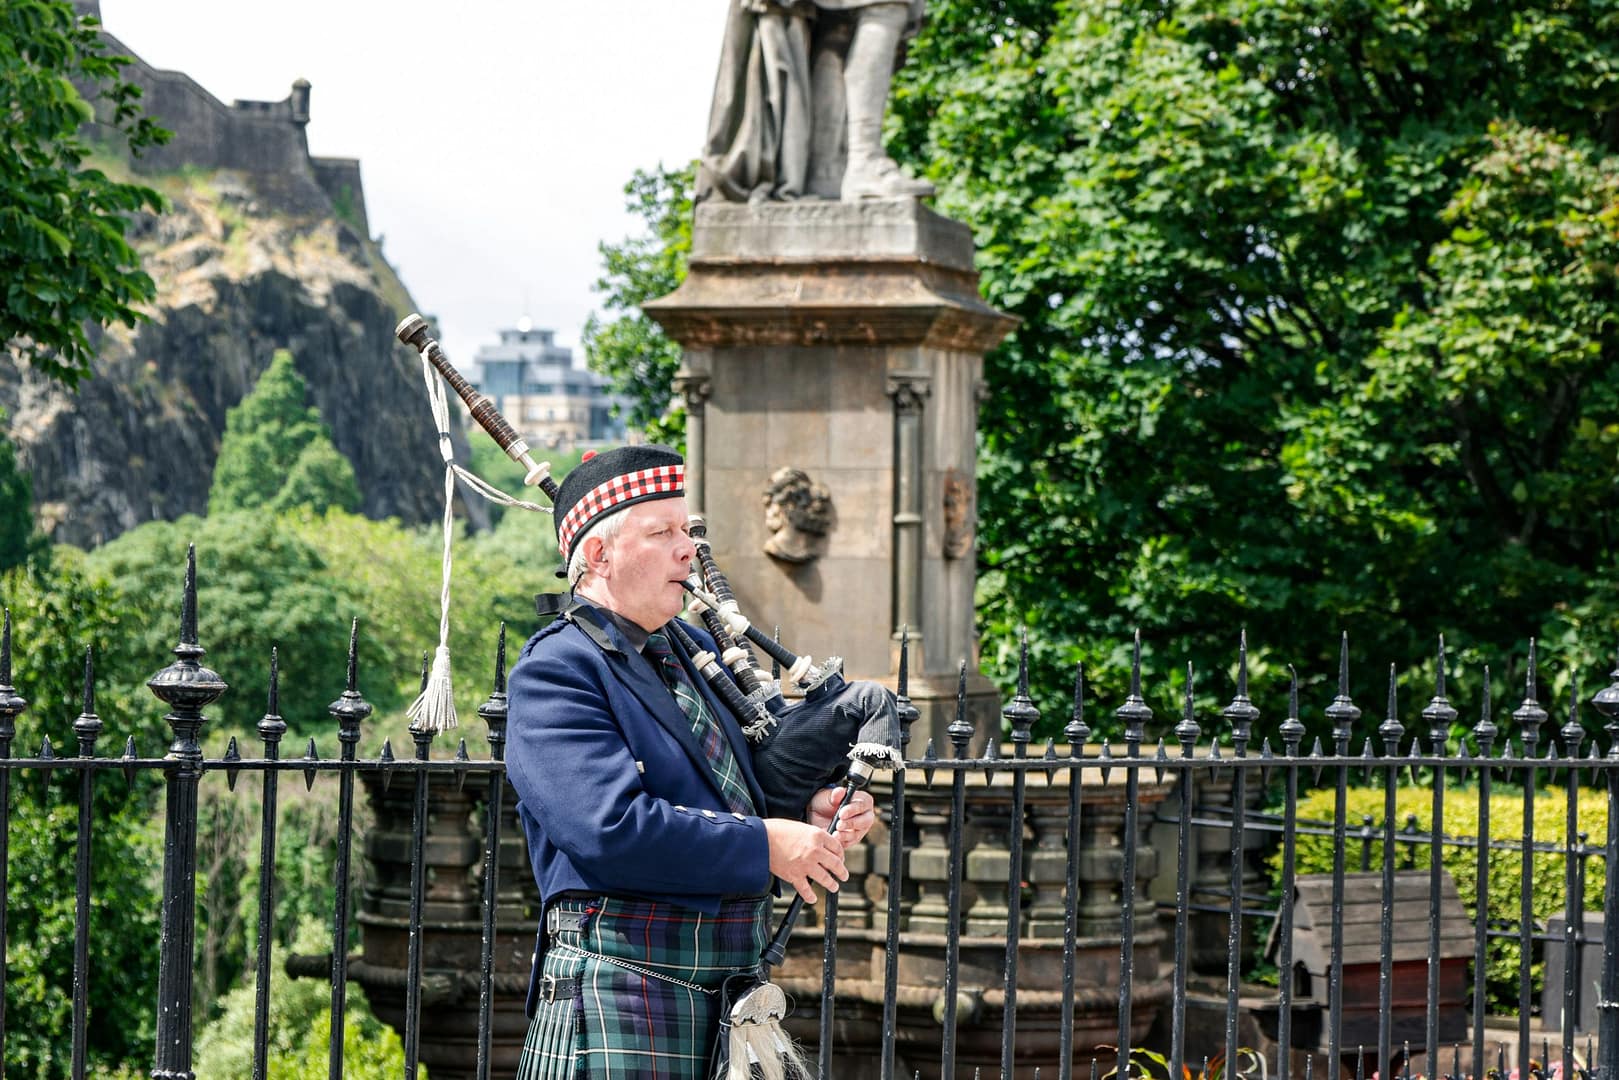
637, 675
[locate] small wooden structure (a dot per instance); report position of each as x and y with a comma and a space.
1362, 960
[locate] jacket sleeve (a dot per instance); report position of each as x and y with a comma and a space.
569, 761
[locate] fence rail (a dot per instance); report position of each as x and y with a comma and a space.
1009, 918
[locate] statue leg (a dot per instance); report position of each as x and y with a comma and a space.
868, 70
829, 147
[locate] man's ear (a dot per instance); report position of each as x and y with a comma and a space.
596, 555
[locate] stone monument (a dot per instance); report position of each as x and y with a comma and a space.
833, 360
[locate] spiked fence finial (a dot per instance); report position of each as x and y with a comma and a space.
1573, 731
1241, 713
1188, 730
1439, 713
902, 683
1391, 729
1021, 713
188, 606
1530, 716
1485, 730
185, 685
271, 725
493, 711
1135, 713
89, 680
1342, 712
88, 726
352, 682
273, 704
960, 730
350, 709
500, 661
1076, 729
905, 711
1292, 728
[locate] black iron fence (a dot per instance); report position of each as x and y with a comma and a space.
1013, 912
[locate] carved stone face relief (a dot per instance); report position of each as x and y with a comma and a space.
958, 515
798, 516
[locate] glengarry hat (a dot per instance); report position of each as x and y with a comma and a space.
606, 482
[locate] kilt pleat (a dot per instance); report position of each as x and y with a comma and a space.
621, 1024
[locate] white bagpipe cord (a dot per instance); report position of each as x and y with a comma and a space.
434, 710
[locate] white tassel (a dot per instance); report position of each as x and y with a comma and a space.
434, 709
877, 754
759, 1047
757, 728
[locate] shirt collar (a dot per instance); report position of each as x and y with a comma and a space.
633, 632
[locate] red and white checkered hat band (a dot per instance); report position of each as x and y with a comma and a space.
611, 494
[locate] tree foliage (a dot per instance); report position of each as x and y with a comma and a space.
1318, 322
277, 454
300, 1028
628, 347
65, 261
59, 612
18, 540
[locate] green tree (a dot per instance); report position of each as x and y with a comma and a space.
628, 347
1318, 328
58, 613
259, 586
64, 258
18, 541
277, 455
300, 1027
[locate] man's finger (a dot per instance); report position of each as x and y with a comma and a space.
804, 889
825, 879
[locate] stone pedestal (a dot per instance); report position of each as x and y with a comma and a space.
846, 340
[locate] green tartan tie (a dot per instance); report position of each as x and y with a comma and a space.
716, 748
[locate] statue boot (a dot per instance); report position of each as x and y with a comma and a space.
878, 176
869, 68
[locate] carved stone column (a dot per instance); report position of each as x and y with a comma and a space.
910, 390
846, 341
693, 388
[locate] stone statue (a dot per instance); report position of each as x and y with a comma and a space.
798, 515
799, 99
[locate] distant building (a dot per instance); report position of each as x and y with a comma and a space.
540, 392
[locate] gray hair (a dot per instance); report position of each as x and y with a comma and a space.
606, 529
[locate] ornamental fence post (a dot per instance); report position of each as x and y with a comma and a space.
187, 688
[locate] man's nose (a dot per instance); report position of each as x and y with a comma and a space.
686, 551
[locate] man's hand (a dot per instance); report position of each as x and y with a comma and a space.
856, 821
801, 853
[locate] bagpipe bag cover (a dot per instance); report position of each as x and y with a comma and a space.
809, 747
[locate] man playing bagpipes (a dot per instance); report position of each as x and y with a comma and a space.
653, 832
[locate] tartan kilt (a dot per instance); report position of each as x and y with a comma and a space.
620, 1024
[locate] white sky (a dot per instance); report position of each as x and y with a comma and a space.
494, 138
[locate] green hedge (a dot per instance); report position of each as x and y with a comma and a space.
1461, 807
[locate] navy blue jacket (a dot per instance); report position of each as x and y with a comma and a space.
614, 792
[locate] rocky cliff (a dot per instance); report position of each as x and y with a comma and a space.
238, 277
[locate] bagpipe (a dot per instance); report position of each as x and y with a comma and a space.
828, 730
